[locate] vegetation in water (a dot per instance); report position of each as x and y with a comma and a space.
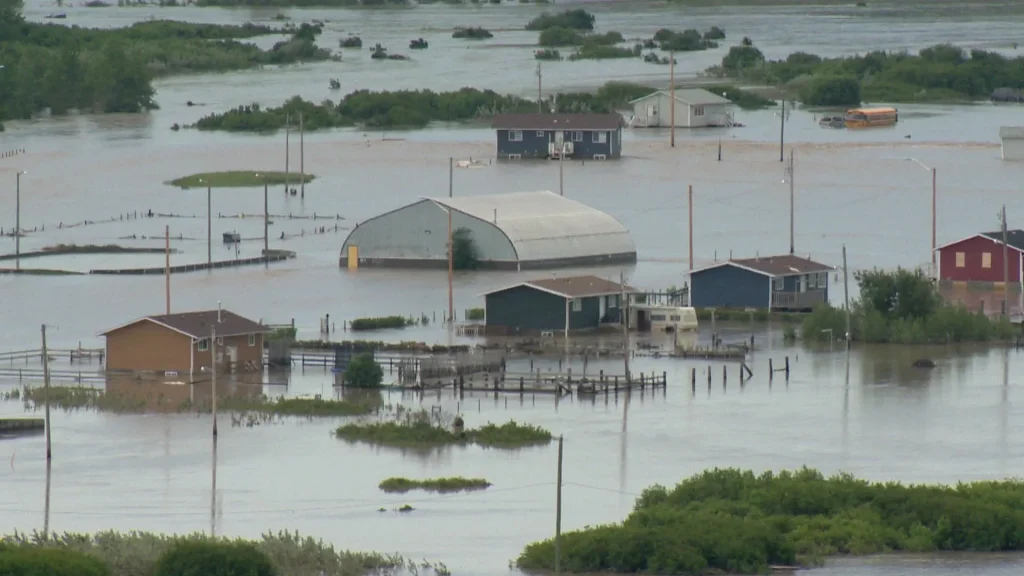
904, 307
743, 98
464, 252
599, 52
379, 323
942, 72
239, 179
730, 521
472, 33
94, 249
139, 553
476, 314
573, 19
372, 345
221, 558
547, 54
364, 372
439, 485
419, 431
558, 36
688, 40
31, 561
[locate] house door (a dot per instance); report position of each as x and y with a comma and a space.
652, 115
801, 282
559, 138
232, 357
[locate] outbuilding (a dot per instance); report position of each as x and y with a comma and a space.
512, 231
179, 344
556, 305
784, 283
695, 108
1012, 138
584, 136
978, 259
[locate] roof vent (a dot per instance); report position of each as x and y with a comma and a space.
218, 311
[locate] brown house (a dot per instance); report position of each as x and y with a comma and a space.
181, 343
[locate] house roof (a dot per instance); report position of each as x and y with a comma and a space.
573, 287
557, 121
1014, 239
774, 266
198, 325
690, 96
1011, 132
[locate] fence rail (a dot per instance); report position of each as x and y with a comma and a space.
72, 354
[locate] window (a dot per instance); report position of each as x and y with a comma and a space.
577, 305
823, 280
204, 345
698, 110
577, 136
220, 340
675, 318
540, 133
961, 259
657, 317
252, 339
600, 137
515, 135
812, 281
986, 259
778, 284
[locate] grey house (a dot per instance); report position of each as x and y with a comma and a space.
584, 136
785, 282
556, 305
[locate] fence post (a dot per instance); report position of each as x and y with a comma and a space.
787, 367
693, 379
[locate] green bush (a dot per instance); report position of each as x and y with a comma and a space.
476, 314
378, 323
832, 91
476, 33
599, 52
214, 559
418, 432
558, 36
574, 19
547, 54
464, 252
741, 58
685, 41
364, 372
32, 561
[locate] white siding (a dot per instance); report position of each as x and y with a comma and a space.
1013, 148
655, 111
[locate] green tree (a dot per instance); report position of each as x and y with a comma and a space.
832, 91
464, 253
214, 559
364, 372
898, 295
742, 57
27, 560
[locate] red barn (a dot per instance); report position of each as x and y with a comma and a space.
979, 258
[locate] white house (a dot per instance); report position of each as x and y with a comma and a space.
697, 107
1013, 142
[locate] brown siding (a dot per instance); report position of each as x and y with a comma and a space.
252, 355
147, 346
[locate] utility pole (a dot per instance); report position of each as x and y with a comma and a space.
167, 266
213, 375
689, 204
625, 323
302, 158
561, 177
451, 175
266, 226
672, 97
46, 393
790, 173
846, 298
451, 267
782, 132
287, 133
558, 512
1006, 268
540, 99
935, 267
17, 220
209, 229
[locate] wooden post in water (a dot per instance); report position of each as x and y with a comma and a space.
167, 266
46, 393
558, 513
213, 377
302, 159
846, 298
209, 229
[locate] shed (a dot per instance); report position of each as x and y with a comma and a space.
979, 258
556, 304
589, 136
784, 282
513, 231
176, 344
696, 108
1012, 138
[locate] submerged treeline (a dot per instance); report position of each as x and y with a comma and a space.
49, 67
731, 521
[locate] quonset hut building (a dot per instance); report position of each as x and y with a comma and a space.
514, 231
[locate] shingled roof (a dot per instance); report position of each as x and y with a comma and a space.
574, 287
557, 121
784, 265
198, 325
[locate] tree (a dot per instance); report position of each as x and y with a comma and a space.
898, 295
742, 57
832, 91
464, 254
36, 561
364, 372
199, 558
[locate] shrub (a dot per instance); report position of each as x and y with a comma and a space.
574, 19
464, 252
364, 372
475, 314
214, 559
476, 33
547, 54
32, 561
742, 57
832, 91
715, 33
685, 41
599, 52
742, 98
558, 36
379, 323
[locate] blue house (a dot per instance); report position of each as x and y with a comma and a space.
783, 283
556, 305
584, 136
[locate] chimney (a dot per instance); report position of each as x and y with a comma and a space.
218, 311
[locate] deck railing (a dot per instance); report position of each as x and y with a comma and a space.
797, 300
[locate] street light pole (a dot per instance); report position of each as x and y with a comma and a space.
17, 221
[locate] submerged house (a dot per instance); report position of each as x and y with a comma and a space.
556, 305
584, 136
784, 283
1011, 139
694, 108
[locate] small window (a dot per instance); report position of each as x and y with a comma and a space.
698, 110
252, 339
577, 305
204, 345
675, 318
613, 300
961, 260
515, 135
577, 136
220, 340
778, 284
657, 317
986, 259
823, 280
540, 133
600, 137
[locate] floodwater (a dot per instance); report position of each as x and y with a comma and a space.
885, 421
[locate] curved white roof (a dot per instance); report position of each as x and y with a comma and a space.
545, 226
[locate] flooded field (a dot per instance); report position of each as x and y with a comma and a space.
94, 179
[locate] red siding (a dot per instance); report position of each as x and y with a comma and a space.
972, 271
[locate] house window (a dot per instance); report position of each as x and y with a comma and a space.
823, 280
515, 135
204, 345
961, 259
600, 137
986, 259
577, 305
675, 318
613, 301
540, 133
220, 340
252, 339
577, 136
698, 110
812, 281
778, 284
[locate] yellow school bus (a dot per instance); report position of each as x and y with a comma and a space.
866, 117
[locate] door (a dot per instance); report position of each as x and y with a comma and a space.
652, 115
353, 257
232, 357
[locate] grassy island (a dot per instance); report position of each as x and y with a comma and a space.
419, 433
239, 179
731, 521
439, 485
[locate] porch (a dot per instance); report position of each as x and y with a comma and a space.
793, 300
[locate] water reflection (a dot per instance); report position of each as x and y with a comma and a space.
213, 491
46, 506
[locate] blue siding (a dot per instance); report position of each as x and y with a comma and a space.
729, 287
535, 144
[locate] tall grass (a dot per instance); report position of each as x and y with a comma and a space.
418, 431
439, 485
